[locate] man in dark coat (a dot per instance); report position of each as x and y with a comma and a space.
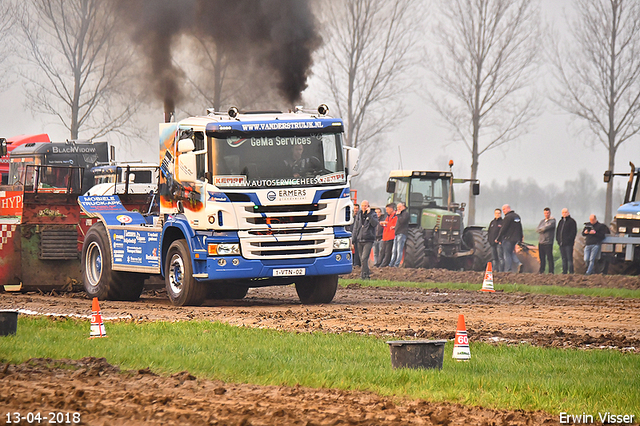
510, 234
365, 234
492, 235
354, 240
594, 233
566, 236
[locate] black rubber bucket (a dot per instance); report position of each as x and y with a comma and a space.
417, 353
8, 322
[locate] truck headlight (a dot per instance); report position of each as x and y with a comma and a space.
341, 244
635, 230
223, 249
622, 229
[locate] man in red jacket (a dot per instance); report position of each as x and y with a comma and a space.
388, 234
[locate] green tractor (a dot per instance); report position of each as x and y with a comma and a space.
436, 236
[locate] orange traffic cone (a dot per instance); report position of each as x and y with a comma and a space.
461, 343
487, 283
97, 326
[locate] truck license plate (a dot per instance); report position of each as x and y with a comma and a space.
288, 272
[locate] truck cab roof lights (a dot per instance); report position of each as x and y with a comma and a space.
323, 109
233, 112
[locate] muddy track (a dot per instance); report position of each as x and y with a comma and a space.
543, 320
104, 395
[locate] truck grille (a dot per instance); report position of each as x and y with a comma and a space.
279, 244
284, 216
58, 244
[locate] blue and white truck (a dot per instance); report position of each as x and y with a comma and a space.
244, 200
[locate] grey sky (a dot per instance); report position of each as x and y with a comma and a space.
551, 153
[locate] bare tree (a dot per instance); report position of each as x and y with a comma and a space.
365, 61
215, 65
221, 80
7, 49
484, 63
82, 66
599, 74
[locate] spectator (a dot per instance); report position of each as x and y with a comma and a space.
401, 228
492, 235
594, 232
354, 240
510, 234
566, 236
388, 234
365, 232
546, 230
377, 245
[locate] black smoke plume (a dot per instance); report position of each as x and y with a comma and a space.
279, 34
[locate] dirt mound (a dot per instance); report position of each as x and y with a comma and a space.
139, 398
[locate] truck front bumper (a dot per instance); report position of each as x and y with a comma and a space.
237, 267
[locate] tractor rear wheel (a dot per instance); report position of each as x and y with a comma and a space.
415, 249
579, 265
477, 239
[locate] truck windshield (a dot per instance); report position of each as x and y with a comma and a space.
271, 160
17, 170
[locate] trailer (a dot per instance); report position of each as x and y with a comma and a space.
42, 228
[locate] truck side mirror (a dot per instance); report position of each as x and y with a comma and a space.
352, 155
3, 147
185, 145
187, 167
607, 176
391, 186
475, 188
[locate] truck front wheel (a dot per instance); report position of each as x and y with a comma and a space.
182, 288
318, 289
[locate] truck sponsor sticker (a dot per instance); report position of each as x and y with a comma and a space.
332, 178
123, 218
282, 125
287, 195
135, 247
11, 203
230, 180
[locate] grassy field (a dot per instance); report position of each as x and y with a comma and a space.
507, 288
510, 377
